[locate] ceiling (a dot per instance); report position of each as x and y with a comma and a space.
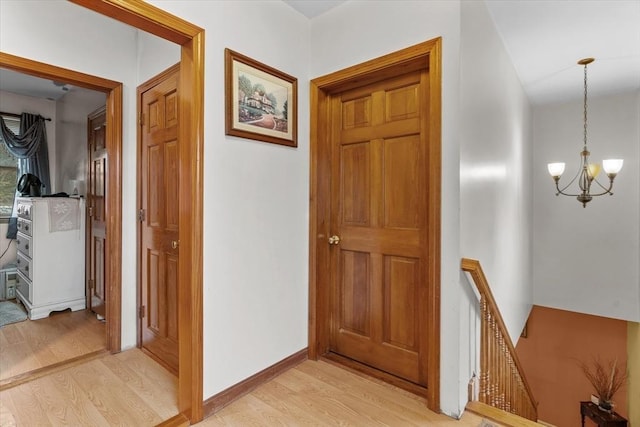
545, 40
23, 84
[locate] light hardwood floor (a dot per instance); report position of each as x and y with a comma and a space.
34, 344
125, 389
130, 389
322, 394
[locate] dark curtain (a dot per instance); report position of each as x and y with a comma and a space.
30, 147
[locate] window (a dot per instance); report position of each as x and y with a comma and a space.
8, 170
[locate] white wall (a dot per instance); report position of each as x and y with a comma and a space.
587, 259
358, 31
495, 167
495, 180
70, 36
155, 55
71, 163
255, 199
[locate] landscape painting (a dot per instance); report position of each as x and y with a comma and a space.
260, 101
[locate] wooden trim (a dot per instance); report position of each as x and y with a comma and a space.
51, 72
425, 55
499, 415
113, 212
151, 19
145, 17
190, 310
113, 91
176, 421
434, 210
51, 369
235, 392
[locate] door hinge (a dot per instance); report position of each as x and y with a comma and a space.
141, 215
90, 211
92, 284
141, 119
141, 311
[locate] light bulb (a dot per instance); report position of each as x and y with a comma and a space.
555, 169
612, 166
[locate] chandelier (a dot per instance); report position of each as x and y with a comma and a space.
588, 172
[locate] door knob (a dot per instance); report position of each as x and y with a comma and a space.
174, 244
334, 240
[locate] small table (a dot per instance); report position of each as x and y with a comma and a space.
601, 418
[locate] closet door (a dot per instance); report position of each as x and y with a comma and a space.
96, 223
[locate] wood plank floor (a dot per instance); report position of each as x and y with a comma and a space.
125, 389
322, 394
130, 389
33, 344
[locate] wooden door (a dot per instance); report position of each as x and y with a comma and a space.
96, 213
158, 217
379, 213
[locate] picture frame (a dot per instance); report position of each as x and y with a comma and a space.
269, 112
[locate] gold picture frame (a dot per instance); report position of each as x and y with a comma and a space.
260, 101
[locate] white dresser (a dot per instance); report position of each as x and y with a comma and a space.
50, 255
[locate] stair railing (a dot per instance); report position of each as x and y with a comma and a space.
503, 384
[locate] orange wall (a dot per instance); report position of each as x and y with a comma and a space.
556, 341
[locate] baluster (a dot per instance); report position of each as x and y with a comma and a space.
502, 384
484, 351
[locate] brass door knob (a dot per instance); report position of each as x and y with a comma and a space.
334, 240
174, 244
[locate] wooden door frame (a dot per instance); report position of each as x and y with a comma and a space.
151, 19
422, 56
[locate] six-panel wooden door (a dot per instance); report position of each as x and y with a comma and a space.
378, 225
96, 215
158, 216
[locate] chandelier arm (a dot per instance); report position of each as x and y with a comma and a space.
561, 190
607, 190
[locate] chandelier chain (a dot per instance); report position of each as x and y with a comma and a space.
587, 172
585, 106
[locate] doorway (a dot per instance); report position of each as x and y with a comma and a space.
160, 23
375, 219
114, 146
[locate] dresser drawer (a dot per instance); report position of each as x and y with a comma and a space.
24, 265
23, 286
24, 244
25, 226
24, 210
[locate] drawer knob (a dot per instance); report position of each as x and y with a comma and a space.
18, 262
17, 242
26, 246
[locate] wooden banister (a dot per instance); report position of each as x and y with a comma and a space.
503, 384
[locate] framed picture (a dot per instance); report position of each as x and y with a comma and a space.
261, 102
